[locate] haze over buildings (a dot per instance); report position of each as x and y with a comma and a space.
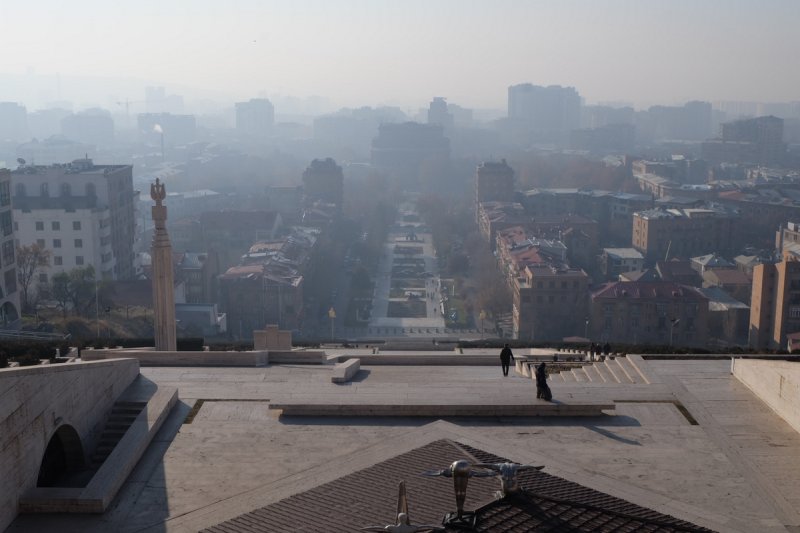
642, 52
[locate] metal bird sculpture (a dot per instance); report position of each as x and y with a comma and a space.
460, 471
403, 522
509, 484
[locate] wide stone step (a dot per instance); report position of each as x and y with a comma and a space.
601, 369
629, 370
568, 376
612, 370
580, 375
593, 373
540, 408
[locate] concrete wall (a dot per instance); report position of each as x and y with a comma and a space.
153, 358
777, 383
35, 401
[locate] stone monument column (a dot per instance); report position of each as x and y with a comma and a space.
163, 284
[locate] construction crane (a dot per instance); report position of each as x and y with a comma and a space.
127, 103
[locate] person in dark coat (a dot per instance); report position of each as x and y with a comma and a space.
541, 380
505, 358
606, 349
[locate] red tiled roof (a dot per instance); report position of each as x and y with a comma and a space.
648, 290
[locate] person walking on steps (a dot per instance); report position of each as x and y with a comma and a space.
505, 358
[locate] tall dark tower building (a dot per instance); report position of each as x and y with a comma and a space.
494, 182
323, 180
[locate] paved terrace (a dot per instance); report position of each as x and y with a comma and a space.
726, 462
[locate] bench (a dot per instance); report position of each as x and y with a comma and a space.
344, 372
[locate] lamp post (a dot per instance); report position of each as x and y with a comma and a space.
482, 316
586, 328
673, 322
332, 316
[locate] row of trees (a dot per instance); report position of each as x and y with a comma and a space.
73, 291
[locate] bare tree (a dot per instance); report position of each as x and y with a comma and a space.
30, 260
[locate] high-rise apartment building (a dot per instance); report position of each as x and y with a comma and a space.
756, 140
13, 122
439, 114
93, 126
411, 153
81, 212
255, 118
494, 182
9, 296
548, 112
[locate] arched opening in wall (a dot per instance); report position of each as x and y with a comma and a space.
63, 458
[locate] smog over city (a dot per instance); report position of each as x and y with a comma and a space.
283, 265
351, 170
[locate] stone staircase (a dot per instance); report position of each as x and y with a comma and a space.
619, 369
122, 415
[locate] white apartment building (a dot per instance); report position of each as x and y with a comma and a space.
9, 296
82, 213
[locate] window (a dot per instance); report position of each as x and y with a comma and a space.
552, 284
5, 193
39, 226
8, 253
5, 223
539, 285
56, 243
56, 225
42, 278
66, 189
563, 284
551, 299
10, 278
40, 243
44, 190
78, 243
76, 225
58, 260
20, 189
78, 260
794, 312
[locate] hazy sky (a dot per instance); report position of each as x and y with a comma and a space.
404, 52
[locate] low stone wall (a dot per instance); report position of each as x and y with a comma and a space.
36, 401
153, 358
777, 383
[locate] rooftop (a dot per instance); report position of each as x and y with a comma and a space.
691, 443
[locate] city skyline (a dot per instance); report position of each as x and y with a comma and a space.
359, 53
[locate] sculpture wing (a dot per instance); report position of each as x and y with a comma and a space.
374, 528
482, 473
402, 503
433, 473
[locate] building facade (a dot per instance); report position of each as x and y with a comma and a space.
323, 180
81, 212
255, 118
775, 303
9, 295
657, 312
662, 233
494, 182
550, 302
